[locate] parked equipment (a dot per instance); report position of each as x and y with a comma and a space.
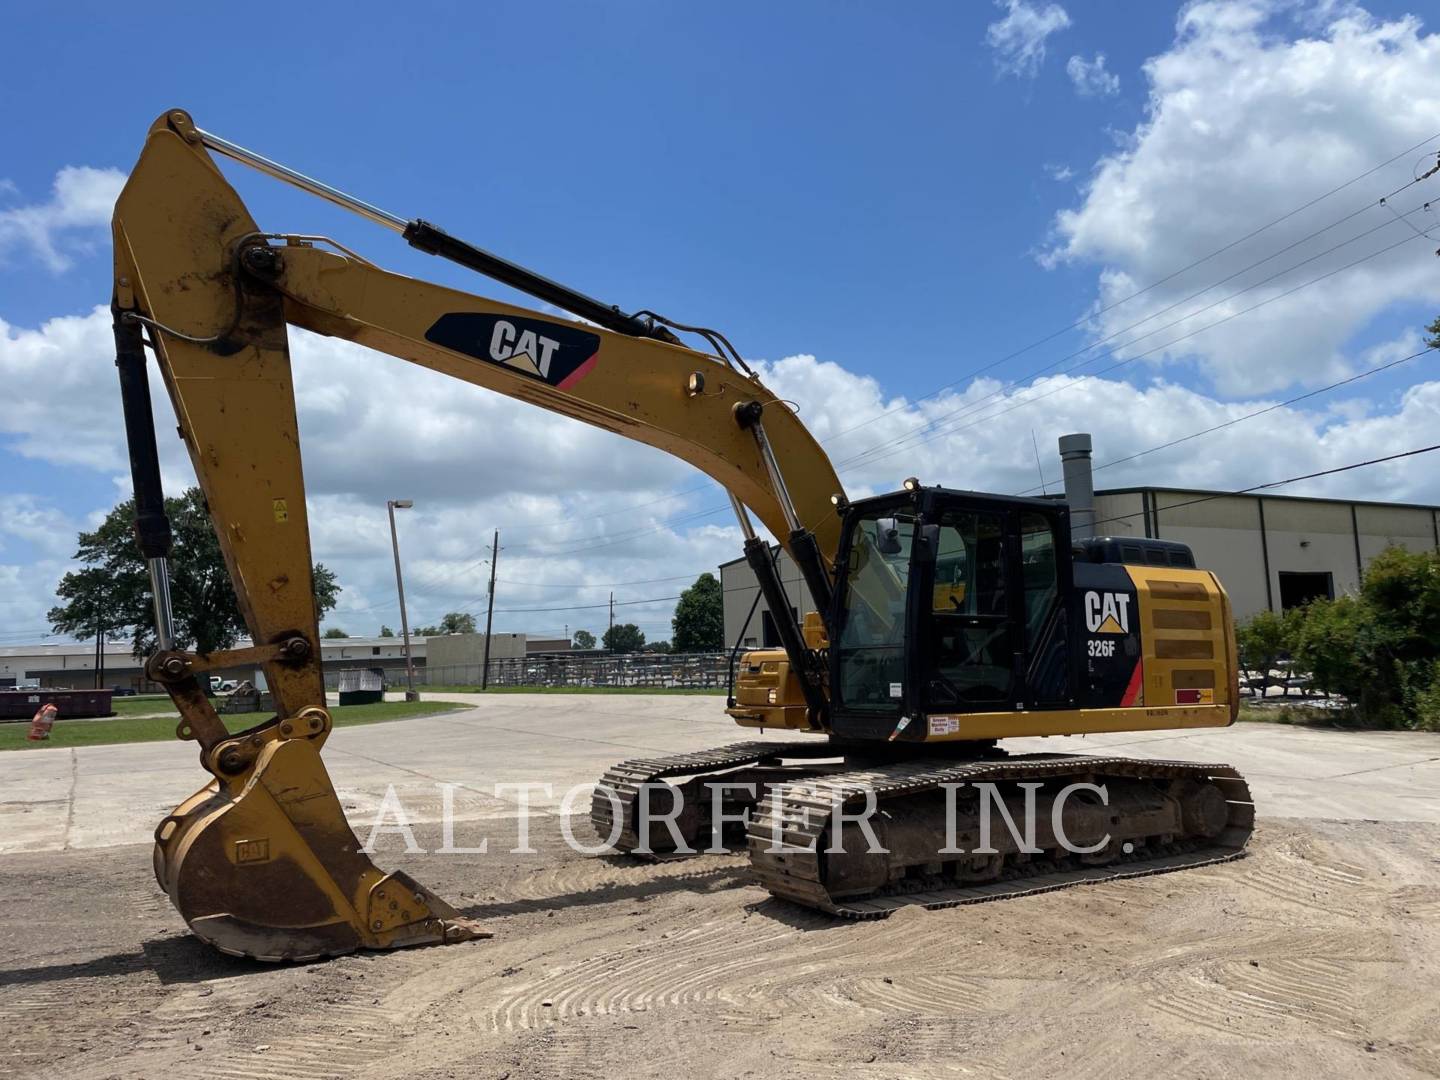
947, 619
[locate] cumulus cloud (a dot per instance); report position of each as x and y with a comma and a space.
80, 203
1090, 77
1019, 38
1251, 115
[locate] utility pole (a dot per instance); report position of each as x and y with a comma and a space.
99, 656
490, 613
392, 505
612, 618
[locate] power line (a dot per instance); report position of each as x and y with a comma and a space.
1184, 269
1251, 415
601, 584
933, 427
923, 437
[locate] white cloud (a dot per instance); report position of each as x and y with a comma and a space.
1090, 77
62, 398
1243, 125
38, 523
81, 201
1059, 173
1019, 38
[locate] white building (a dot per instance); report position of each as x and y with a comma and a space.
73, 664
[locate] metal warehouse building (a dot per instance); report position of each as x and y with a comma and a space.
73, 664
1270, 551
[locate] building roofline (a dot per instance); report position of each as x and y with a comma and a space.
1155, 489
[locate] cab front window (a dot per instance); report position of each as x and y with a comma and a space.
871, 645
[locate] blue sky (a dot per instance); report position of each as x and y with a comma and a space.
889, 196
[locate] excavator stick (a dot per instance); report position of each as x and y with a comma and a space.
261, 861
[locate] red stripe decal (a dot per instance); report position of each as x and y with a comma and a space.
579, 373
1135, 692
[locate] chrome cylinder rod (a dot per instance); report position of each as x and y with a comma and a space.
160, 591
300, 180
777, 479
742, 515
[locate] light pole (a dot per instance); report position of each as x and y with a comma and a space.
391, 505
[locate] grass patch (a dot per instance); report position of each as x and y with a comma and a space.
1305, 716
141, 704
720, 691
157, 728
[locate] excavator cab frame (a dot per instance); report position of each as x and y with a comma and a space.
988, 633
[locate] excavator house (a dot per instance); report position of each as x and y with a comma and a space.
947, 621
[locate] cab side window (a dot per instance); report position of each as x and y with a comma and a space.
971, 653
970, 565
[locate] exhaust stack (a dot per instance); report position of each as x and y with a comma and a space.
1079, 484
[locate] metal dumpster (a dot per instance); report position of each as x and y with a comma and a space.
71, 704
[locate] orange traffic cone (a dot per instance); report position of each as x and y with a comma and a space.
42, 722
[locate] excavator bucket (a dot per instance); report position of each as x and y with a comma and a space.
267, 867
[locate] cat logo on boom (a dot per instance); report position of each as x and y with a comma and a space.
1107, 613
525, 349
560, 354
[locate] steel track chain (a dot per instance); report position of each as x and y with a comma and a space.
627, 778
799, 813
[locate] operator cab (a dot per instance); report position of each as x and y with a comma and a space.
950, 601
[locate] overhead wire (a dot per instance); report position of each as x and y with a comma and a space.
1250, 415
950, 429
938, 425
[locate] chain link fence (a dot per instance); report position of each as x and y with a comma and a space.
696, 671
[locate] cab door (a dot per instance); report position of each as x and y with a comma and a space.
969, 654
995, 633
1044, 574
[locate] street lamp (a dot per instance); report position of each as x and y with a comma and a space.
391, 505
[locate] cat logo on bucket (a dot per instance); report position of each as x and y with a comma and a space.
1107, 613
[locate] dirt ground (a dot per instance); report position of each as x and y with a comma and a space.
1318, 955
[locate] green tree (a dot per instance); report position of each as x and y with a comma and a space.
1332, 642
699, 621
658, 647
334, 632
1263, 640
113, 585
453, 622
584, 639
623, 638
1380, 648
385, 631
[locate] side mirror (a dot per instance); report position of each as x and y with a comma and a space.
887, 536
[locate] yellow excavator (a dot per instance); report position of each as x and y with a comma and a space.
944, 621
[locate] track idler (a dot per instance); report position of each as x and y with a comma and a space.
262, 863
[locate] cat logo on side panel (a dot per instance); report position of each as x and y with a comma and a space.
1107, 613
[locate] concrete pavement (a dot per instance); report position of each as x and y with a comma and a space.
101, 796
